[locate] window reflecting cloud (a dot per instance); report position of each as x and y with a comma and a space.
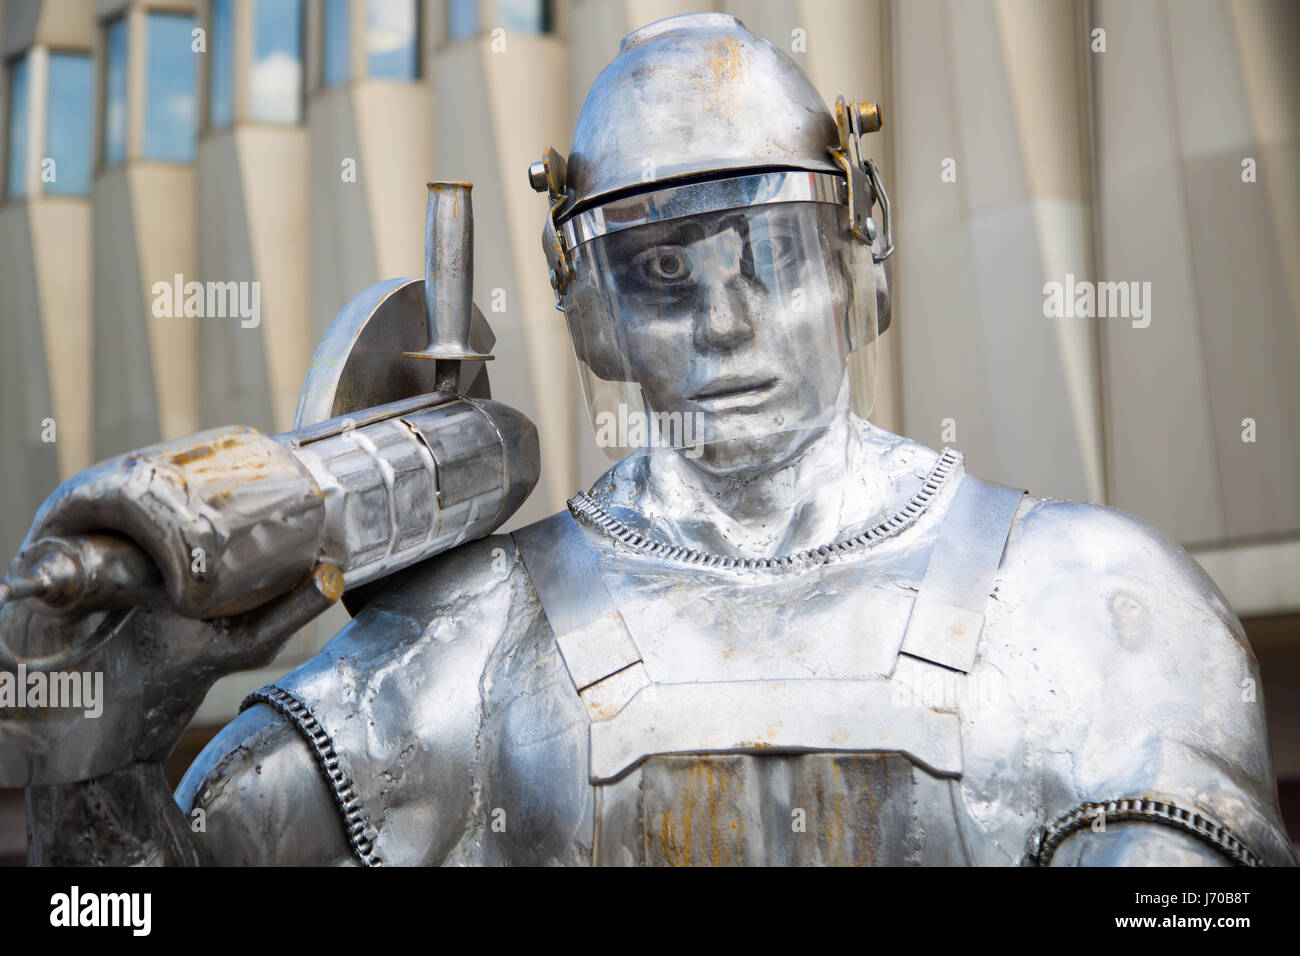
115, 92
275, 87
69, 123
170, 110
392, 39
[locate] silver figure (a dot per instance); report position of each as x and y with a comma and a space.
772, 632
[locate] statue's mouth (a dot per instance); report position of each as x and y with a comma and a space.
735, 391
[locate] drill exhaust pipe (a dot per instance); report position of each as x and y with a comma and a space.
449, 281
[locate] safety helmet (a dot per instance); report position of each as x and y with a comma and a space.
698, 120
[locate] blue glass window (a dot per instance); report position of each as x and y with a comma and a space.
334, 43
115, 92
16, 175
69, 122
275, 88
524, 16
221, 59
462, 19
393, 39
170, 97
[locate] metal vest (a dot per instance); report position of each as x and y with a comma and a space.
707, 766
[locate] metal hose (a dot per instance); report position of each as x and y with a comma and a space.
15, 589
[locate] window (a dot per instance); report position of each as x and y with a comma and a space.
334, 43
69, 123
115, 92
275, 88
170, 96
524, 16
16, 174
462, 19
221, 61
393, 39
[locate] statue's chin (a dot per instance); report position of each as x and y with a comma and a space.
743, 459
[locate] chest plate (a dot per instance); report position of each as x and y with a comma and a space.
752, 717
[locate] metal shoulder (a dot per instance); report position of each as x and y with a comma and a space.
1142, 674
390, 712
255, 797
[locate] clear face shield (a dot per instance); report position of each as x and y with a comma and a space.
717, 319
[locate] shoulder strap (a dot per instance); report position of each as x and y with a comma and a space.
593, 638
948, 614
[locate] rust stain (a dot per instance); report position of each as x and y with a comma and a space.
197, 453
329, 581
726, 59
601, 711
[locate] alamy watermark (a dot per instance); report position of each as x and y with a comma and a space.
982, 692
634, 428
1085, 299
39, 689
208, 300
133, 911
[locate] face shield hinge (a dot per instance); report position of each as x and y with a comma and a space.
855, 121
547, 175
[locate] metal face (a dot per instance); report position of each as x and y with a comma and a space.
729, 329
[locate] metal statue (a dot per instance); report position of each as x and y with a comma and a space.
771, 633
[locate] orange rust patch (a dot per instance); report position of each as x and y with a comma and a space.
726, 59
198, 453
329, 581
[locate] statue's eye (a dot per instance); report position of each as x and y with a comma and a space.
662, 265
773, 252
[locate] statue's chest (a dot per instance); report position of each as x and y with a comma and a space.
740, 714
764, 728
840, 623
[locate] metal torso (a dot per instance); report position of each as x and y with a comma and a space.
1107, 667
728, 649
760, 722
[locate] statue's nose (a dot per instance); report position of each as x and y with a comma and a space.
724, 320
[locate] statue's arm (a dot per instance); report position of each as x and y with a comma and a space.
254, 796
1150, 694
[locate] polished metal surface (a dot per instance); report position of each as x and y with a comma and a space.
749, 106
416, 482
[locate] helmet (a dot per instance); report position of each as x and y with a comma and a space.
700, 125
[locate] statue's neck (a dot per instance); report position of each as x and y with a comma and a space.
806, 502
